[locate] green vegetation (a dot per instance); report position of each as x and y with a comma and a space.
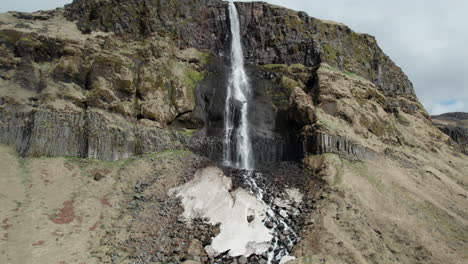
192, 77
188, 132
289, 83
347, 73
28, 40
205, 58
297, 67
275, 67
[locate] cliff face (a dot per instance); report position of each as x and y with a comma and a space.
455, 125
271, 34
160, 64
115, 80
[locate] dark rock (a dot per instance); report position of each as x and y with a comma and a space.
269, 224
250, 218
320, 143
98, 176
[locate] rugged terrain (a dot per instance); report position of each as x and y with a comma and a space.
106, 106
456, 126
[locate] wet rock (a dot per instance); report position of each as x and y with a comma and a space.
269, 224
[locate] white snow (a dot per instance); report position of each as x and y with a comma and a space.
209, 195
286, 259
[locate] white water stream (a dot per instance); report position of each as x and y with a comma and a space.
237, 144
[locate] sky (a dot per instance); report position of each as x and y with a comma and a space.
428, 39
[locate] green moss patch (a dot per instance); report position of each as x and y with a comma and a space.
192, 77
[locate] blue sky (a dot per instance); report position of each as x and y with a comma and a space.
427, 38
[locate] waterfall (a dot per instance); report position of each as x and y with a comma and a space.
237, 151
237, 146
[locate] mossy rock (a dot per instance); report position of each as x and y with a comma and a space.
189, 132
298, 68
289, 83
192, 77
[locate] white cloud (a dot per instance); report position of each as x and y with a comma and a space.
31, 5
440, 108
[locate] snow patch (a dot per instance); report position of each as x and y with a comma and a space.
209, 195
286, 259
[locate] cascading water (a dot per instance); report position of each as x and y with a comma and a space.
237, 152
237, 144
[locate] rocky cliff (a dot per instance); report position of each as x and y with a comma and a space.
160, 64
455, 125
136, 84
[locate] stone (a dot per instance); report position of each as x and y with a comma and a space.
242, 260
196, 248
98, 176
250, 218
269, 224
